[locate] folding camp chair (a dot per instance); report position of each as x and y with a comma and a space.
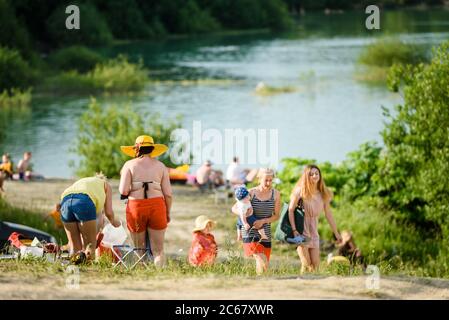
129, 256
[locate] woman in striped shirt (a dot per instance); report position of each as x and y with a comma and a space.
266, 203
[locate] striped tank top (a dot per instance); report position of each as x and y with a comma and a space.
262, 209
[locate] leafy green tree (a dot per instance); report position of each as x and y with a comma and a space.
93, 27
186, 16
360, 171
12, 32
243, 14
102, 130
278, 18
15, 72
413, 172
125, 18
77, 58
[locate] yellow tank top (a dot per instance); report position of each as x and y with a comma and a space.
93, 187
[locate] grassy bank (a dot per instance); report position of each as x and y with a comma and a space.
31, 219
15, 98
373, 238
376, 58
117, 75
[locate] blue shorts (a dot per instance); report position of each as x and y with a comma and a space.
251, 219
78, 207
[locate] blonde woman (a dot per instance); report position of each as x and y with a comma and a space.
266, 204
316, 199
81, 210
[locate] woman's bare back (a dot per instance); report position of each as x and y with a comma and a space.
137, 171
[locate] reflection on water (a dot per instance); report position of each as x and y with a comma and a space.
327, 115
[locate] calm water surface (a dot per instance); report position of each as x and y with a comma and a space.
328, 115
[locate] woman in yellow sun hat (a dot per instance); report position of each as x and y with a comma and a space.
145, 182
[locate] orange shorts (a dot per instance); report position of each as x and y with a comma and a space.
256, 247
142, 214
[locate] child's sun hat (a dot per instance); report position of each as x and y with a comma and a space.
201, 223
241, 193
144, 141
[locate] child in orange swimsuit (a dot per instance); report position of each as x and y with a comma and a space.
203, 250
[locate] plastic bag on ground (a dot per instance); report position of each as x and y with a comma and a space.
114, 236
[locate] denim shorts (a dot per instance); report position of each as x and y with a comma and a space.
78, 207
251, 219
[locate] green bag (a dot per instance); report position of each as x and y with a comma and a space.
284, 229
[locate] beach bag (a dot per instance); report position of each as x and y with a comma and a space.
284, 228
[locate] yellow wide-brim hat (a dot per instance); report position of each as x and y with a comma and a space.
144, 141
201, 223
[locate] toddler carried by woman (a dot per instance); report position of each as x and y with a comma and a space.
246, 214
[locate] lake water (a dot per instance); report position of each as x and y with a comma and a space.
329, 114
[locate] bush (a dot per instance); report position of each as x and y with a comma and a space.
413, 173
15, 98
386, 52
360, 171
119, 75
380, 236
335, 176
14, 71
278, 18
77, 58
193, 19
103, 130
70, 82
113, 76
93, 30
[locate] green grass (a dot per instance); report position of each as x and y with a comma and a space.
15, 98
372, 75
376, 59
265, 90
387, 242
380, 240
32, 219
77, 58
113, 76
386, 52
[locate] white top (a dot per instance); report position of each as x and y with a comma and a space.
234, 172
243, 207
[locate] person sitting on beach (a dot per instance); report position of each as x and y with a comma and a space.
23, 167
236, 175
5, 170
203, 174
246, 213
81, 205
216, 178
347, 248
203, 250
